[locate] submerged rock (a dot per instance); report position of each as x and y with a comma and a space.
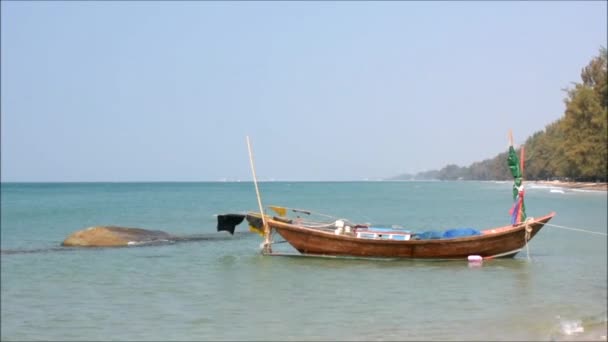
110, 236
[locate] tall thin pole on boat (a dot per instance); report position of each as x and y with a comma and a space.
257, 192
521, 166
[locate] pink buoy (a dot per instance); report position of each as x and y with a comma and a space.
475, 258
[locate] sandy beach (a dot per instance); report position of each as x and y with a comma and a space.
574, 185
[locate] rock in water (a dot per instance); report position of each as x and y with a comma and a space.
109, 236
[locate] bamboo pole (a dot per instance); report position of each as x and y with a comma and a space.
257, 192
521, 162
521, 165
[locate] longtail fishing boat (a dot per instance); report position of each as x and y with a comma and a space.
344, 238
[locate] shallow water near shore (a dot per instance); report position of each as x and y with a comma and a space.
214, 286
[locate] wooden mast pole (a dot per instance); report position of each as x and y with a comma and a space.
521, 166
266, 248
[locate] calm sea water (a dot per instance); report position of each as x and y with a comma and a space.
223, 289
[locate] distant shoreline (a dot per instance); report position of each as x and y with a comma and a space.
561, 184
574, 185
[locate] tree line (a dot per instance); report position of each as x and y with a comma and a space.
575, 147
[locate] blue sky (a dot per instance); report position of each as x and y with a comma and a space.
167, 91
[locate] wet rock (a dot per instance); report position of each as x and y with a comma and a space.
110, 236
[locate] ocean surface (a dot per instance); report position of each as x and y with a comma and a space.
219, 287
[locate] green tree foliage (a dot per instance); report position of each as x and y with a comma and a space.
585, 124
545, 151
574, 147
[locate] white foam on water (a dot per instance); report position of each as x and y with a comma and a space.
571, 327
587, 190
551, 188
139, 243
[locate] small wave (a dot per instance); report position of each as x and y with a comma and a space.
587, 190
153, 242
571, 327
534, 186
587, 329
559, 191
541, 186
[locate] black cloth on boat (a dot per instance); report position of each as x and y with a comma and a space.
255, 221
228, 222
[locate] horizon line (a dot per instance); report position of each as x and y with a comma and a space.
218, 181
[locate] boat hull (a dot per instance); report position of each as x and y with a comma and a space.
493, 243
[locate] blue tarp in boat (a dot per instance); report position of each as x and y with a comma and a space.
428, 235
448, 234
460, 232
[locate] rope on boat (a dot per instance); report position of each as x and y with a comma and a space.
309, 212
527, 236
310, 224
576, 229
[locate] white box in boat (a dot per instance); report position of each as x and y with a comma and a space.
384, 236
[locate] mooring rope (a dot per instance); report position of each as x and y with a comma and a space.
576, 229
529, 231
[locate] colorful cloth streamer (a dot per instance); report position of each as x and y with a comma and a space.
518, 211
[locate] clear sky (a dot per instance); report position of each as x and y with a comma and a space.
167, 91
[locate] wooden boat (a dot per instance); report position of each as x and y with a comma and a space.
342, 238
492, 243
331, 240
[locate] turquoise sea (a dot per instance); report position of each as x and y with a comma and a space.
218, 287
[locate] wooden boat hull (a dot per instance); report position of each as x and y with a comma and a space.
493, 243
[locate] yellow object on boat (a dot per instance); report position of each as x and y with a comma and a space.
279, 210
